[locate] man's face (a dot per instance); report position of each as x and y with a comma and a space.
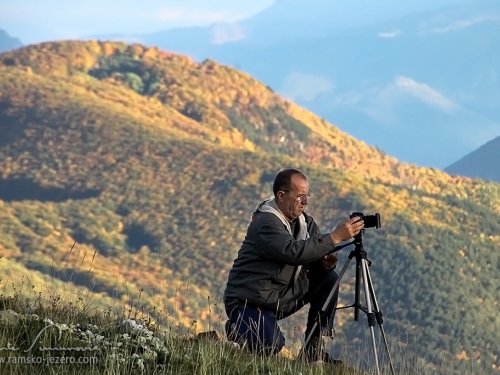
293, 202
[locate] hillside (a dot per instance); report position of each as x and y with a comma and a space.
481, 163
153, 164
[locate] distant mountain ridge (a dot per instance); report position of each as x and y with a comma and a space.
483, 163
297, 19
8, 42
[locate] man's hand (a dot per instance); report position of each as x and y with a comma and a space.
329, 260
347, 230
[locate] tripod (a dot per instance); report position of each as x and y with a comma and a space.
374, 315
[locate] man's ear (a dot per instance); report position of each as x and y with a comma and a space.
280, 195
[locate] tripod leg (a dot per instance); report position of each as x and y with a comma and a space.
357, 292
327, 302
370, 314
378, 315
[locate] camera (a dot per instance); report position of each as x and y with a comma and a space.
371, 221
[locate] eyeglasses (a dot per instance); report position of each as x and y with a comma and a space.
300, 197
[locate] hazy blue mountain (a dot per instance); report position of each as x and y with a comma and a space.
423, 87
286, 20
481, 163
7, 42
306, 18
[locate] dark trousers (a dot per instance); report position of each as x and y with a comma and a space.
258, 327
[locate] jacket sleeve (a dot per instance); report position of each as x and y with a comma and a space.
276, 244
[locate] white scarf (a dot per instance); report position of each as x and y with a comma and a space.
270, 205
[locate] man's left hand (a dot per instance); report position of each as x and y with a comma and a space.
329, 261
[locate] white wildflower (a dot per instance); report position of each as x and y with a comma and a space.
141, 340
129, 323
140, 364
48, 321
156, 342
149, 354
63, 327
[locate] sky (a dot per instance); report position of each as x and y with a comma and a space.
34, 21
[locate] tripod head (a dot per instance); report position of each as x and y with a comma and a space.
358, 240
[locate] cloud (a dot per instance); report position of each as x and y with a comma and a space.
387, 95
389, 34
301, 86
383, 101
424, 93
458, 25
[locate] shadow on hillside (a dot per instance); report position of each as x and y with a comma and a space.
19, 189
138, 236
79, 278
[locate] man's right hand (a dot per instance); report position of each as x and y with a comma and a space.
347, 230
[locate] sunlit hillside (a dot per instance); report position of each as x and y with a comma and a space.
153, 164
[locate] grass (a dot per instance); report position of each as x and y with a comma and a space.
100, 343
47, 328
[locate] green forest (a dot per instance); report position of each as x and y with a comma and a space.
129, 173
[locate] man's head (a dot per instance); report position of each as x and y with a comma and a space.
291, 190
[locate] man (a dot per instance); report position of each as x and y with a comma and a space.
283, 264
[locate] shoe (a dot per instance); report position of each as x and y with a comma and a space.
314, 352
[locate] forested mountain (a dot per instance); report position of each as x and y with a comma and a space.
7, 42
153, 164
481, 163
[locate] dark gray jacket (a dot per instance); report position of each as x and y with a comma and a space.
262, 273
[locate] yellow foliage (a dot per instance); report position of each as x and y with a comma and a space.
462, 355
